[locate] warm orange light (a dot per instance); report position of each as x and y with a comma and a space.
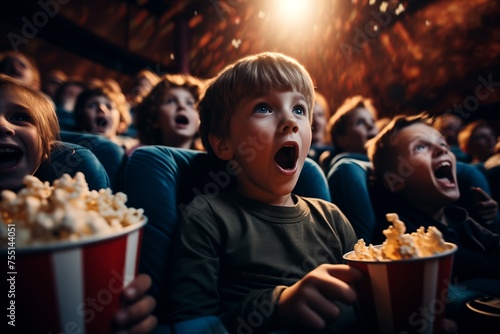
293, 9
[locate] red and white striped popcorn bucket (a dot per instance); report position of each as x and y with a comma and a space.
404, 296
75, 286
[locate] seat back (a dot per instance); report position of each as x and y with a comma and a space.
162, 180
111, 155
354, 193
71, 158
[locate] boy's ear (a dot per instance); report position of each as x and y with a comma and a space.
394, 182
220, 147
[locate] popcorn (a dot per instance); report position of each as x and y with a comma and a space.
68, 210
400, 245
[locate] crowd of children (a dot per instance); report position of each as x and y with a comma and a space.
230, 257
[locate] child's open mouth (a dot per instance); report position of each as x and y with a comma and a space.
286, 157
102, 123
444, 173
9, 157
181, 120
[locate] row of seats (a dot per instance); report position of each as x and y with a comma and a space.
162, 180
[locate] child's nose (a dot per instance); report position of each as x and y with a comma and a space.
289, 124
6, 128
102, 108
181, 105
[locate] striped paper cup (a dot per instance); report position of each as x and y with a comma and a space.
404, 296
75, 287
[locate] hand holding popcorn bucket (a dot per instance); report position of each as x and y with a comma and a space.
69, 279
405, 293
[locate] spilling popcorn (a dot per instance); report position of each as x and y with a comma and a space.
67, 210
400, 245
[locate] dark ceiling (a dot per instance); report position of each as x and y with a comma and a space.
406, 55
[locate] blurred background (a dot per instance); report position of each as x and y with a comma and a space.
408, 56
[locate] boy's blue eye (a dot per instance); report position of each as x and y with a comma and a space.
421, 147
299, 110
262, 109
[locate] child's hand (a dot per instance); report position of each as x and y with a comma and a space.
136, 316
486, 208
313, 300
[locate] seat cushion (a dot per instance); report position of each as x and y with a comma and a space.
71, 158
111, 155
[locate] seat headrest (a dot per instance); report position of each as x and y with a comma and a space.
71, 158
111, 155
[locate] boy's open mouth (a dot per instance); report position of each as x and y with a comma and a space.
286, 157
102, 122
9, 157
444, 172
181, 119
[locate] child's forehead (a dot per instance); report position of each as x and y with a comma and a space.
179, 89
271, 94
358, 112
417, 131
100, 97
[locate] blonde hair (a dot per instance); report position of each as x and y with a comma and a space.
41, 110
250, 76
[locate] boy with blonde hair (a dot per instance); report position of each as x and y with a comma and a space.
257, 256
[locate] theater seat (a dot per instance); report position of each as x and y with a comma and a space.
162, 180
71, 158
111, 155
354, 193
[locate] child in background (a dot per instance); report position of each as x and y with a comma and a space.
167, 115
20, 66
52, 81
258, 248
478, 140
144, 81
321, 113
101, 110
449, 125
412, 161
28, 132
350, 127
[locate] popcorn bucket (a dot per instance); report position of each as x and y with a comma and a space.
404, 296
73, 286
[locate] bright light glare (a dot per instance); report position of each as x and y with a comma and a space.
291, 9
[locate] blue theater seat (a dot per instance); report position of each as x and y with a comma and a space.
162, 180
71, 158
111, 155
